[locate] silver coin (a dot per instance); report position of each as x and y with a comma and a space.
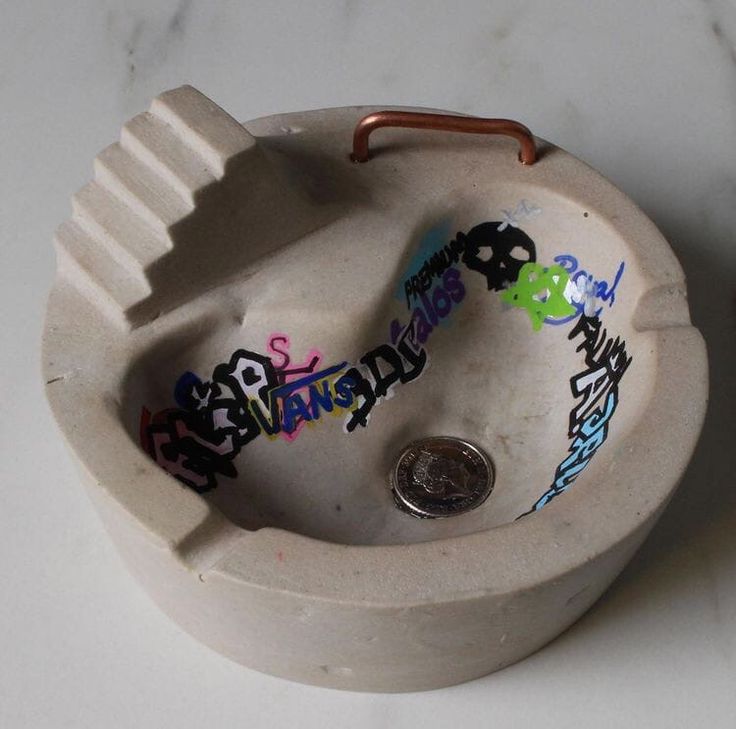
441, 476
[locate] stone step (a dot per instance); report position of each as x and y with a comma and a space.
203, 126
156, 143
128, 238
139, 187
95, 273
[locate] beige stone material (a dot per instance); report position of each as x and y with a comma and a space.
199, 236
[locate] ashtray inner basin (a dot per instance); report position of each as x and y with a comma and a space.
286, 398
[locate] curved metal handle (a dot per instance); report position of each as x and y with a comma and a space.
441, 122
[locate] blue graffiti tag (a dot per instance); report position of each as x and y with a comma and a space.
583, 290
593, 433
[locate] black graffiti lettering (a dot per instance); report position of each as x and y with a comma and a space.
455, 250
384, 381
593, 340
409, 289
606, 360
198, 396
228, 416
360, 387
596, 388
201, 455
164, 447
343, 396
405, 351
214, 418
271, 423
200, 441
414, 355
437, 263
249, 375
433, 267
406, 361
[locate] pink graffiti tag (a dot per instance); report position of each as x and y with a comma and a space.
278, 345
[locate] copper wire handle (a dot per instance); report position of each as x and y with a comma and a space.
441, 122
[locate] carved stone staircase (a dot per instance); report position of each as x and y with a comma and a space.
119, 248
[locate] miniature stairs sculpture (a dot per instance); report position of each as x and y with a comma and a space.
119, 248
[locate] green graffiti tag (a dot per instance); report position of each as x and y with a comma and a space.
540, 291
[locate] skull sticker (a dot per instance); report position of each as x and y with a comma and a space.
497, 254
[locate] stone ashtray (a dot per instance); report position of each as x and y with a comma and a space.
385, 426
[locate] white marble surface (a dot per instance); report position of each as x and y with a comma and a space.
645, 92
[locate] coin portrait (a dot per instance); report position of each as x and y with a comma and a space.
440, 477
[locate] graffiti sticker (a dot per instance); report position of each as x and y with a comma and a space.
596, 392
584, 291
541, 291
276, 395
434, 305
498, 253
250, 395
